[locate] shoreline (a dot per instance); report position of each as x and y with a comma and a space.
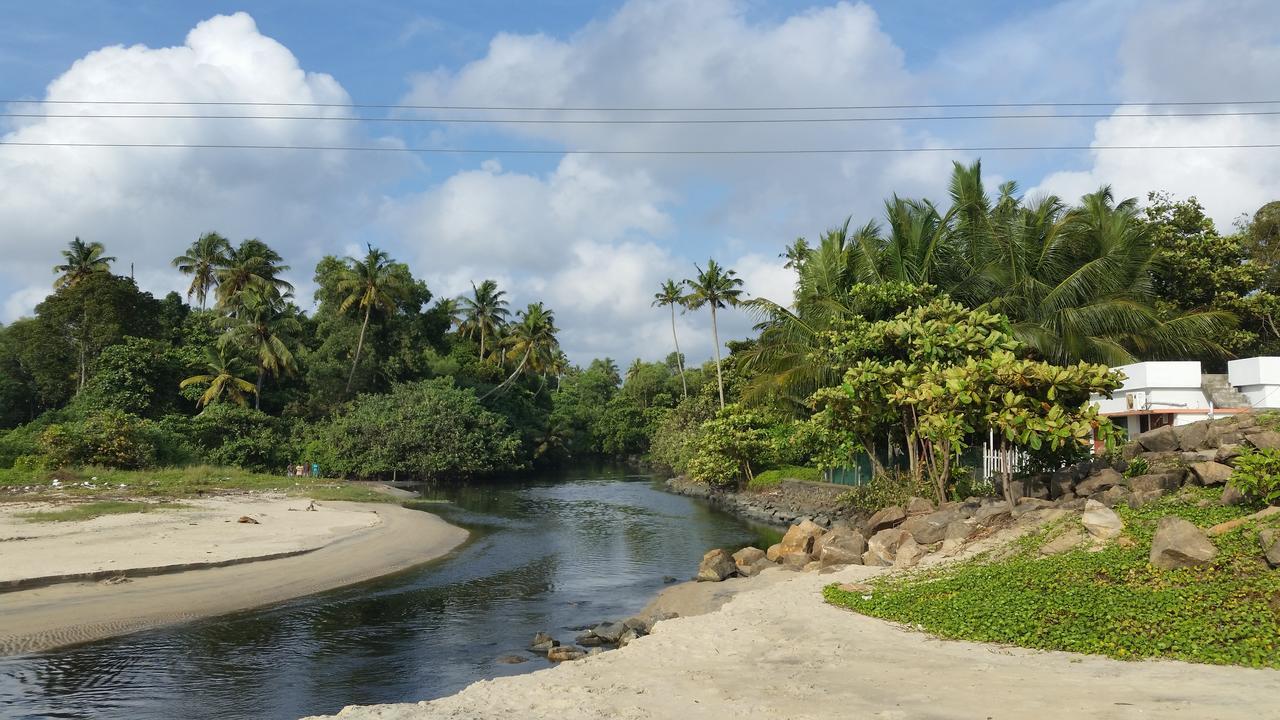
71, 613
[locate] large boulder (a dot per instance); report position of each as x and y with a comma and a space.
1112, 496
563, 653
796, 560
1101, 521
843, 550
1265, 440
919, 506
801, 537
1162, 439
1193, 436
991, 513
883, 519
957, 533
1179, 544
909, 553
750, 561
882, 547
1269, 539
1155, 481
774, 553
931, 528
1232, 496
1099, 481
832, 535
716, 565
1227, 454
1211, 473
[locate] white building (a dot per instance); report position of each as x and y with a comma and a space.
1177, 392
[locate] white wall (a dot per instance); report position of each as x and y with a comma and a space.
1258, 379
1157, 386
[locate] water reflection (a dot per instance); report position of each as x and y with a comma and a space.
550, 553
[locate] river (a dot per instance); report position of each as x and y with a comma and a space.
547, 553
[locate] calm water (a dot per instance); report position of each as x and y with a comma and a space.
552, 553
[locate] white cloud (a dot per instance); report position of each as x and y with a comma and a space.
146, 205
20, 302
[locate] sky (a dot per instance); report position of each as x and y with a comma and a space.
593, 235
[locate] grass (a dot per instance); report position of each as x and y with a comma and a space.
770, 478
91, 510
107, 484
1109, 602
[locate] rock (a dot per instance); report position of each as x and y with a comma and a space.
511, 660
1069, 540
1211, 473
1113, 496
1179, 544
1099, 481
749, 561
716, 565
1265, 440
957, 532
1269, 539
844, 550
1029, 504
1101, 521
991, 513
931, 528
1223, 528
1192, 436
543, 638
564, 653
919, 506
1155, 481
627, 636
1162, 439
589, 639
909, 553
543, 648
1074, 503
609, 632
1232, 496
1062, 482
883, 519
812, 566
248, 520
883, 546
801, 537
831, 536
796, 560
667, 580
1138, 499
641, 625
1199, 456
774, 553
1227, 454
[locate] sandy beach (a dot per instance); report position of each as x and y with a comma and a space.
776, 650
71, 582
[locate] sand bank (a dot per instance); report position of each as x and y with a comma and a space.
776, 650
197, 562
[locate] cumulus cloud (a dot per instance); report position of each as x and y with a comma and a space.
146, 205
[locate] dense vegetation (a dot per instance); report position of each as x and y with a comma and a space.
1107, 602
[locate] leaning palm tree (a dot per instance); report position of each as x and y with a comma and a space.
251, 265
369, 283
82, 260
669, 294
532, 338
223, 378
256, 330
484, 312
202, 261
718, 288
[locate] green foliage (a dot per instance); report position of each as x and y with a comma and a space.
233, 436
425, 429
1257, 475
110, 438
1108, 602
190, 481
1137, 467
769, 478
884, 489
729, 445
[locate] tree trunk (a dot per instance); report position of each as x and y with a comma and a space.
482, 334
359, 346
513, 375
679, 360
257, 388
715, 333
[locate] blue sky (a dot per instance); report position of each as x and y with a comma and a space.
593, 234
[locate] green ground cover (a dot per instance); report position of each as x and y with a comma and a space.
770, 478
1108, 602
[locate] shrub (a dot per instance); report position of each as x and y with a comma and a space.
1257, 475
110, 438
231, 436
729, 446
1137, 467
891, 488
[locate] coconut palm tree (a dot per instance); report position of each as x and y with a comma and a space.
451, 310
718, 288
485, 312
559, 366
223, 377
669, 295
532, 338
369, 283
202, 261
251, 265
256, 330
82, 259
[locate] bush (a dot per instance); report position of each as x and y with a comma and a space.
891, 488
1257, 475
231, 436
110, 438
729, 446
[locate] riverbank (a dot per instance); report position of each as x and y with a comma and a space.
775, 649
82, 580
788, 502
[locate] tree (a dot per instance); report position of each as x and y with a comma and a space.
222, 379
729, 444
257, 330
209, 254
717, 288
369, 283
484, 313
82, 260
252, 265
532, 338
669, 295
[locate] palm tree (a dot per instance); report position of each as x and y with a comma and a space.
251, 265
202, 261
451, 310
484, 312
633, 372
559, 366
669, 295
82, 259
369, 283
533, 338
255, 330
223, 377
718, 288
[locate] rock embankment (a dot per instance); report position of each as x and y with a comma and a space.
788, 502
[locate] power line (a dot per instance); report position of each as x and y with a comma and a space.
538, 151
641, 121
537, 108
